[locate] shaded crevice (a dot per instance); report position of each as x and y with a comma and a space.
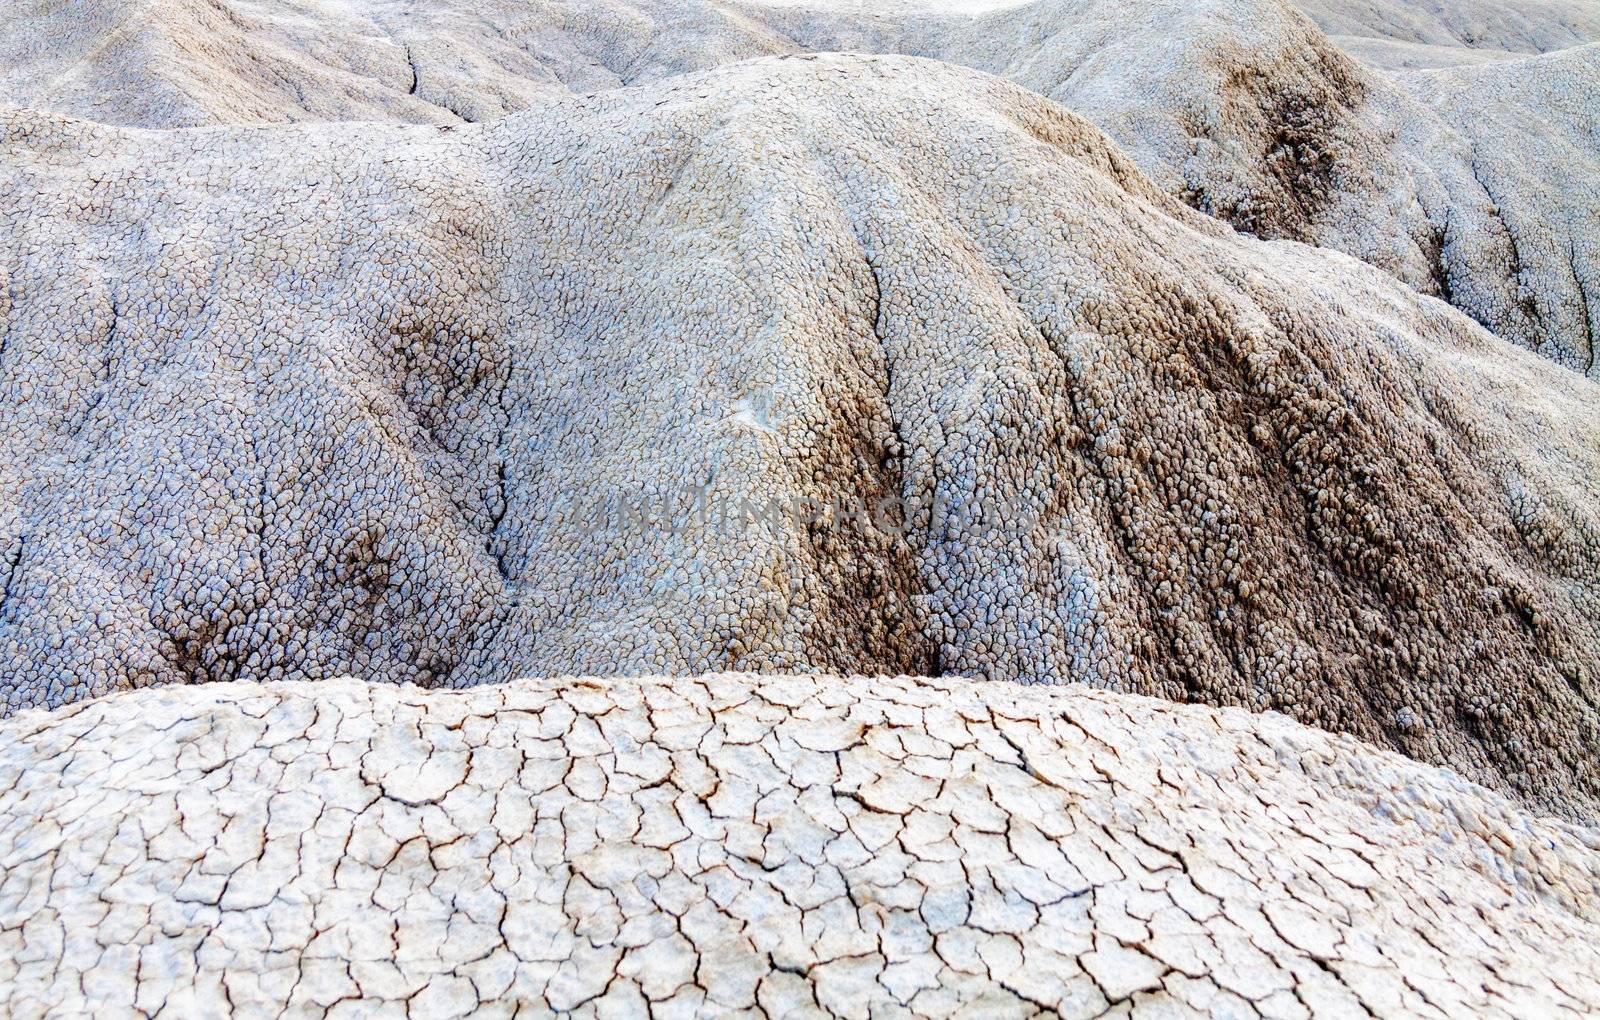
102, 385
263, 502
494, 545
1523, 298
1439, 270
1583, 305
930, 657
12, 569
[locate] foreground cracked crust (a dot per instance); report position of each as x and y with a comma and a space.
782, 845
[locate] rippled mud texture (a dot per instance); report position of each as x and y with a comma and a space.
785, 846
302, 402
1473, 183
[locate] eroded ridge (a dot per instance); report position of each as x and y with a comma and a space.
778, 845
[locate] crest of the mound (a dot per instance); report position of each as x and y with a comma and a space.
799, 845
562, 393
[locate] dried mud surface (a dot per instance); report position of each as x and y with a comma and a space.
765, 846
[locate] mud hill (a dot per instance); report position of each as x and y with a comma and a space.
436, 405
1476, 188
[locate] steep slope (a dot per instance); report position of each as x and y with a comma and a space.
788, 846
1255, 118
1477, 185
458, 405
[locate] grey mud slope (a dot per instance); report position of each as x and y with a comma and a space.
1479, 189
298, 403
764, 846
